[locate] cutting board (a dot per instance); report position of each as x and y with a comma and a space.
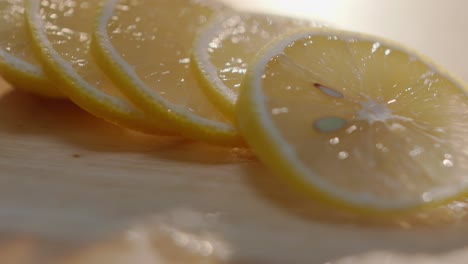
74, 189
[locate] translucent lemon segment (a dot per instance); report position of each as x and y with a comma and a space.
14, 38
68, 26
225, 47
155, 37
62, 31
358, 120
18, 64
145, 46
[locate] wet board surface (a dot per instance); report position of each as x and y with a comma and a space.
74, 189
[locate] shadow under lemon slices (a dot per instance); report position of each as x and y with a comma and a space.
25, 114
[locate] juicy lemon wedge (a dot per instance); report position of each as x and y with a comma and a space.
224, 48
145, 47
18, 64
61, 31
357, 121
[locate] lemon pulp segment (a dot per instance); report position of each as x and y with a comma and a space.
18, 64
145, 47
225, 47
62, 35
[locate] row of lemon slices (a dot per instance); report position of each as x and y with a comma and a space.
354, 120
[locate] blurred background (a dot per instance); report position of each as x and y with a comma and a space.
436, 28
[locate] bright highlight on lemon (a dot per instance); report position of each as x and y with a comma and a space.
357, 121
18, 64
224, 48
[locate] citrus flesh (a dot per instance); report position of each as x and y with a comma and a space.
145, 47
61, 31
357, 121
18, 64
224, 48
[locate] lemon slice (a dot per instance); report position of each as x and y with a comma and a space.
61, 31
357, 121
18, 64
224, 48
145, 47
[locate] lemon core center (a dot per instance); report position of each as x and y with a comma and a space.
372, 111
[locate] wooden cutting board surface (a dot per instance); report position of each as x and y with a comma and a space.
74, 189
